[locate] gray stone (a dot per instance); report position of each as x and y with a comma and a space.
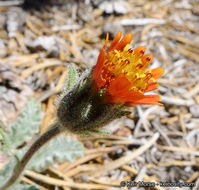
194, 109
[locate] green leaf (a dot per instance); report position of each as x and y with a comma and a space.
26, 125
5, 147
57, 150
73, 77
2, 89
8, 168
23, 187
6, 171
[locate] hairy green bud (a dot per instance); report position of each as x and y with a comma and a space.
83, 108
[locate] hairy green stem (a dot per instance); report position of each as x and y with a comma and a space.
52, 132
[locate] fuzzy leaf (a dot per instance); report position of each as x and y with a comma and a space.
2, 89
8, 168
6, 171
57, 150
5, 146
23, 187
26, 125
73, 76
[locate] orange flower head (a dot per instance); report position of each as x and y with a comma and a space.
122, 72
120, 78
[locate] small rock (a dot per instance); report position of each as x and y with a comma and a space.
85, 12
107, 7
17, 93
194, 109
113, 28
91, 56
16, 17
85, 178
130, 123
96, 3
118, 6
47, 43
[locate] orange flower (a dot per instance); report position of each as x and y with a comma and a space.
122, 73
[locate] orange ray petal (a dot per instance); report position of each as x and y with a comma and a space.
125, 40
99, 65
127, 97
157, 72
119, 86
151, 86
106, 42
139, 50
115, 41
146, 60
148, 99
133, 96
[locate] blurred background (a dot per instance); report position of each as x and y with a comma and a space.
40, 39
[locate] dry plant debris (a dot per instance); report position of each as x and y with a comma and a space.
39, 39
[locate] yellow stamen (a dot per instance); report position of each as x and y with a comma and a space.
127, 63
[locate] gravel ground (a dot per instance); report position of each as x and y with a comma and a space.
40, 39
